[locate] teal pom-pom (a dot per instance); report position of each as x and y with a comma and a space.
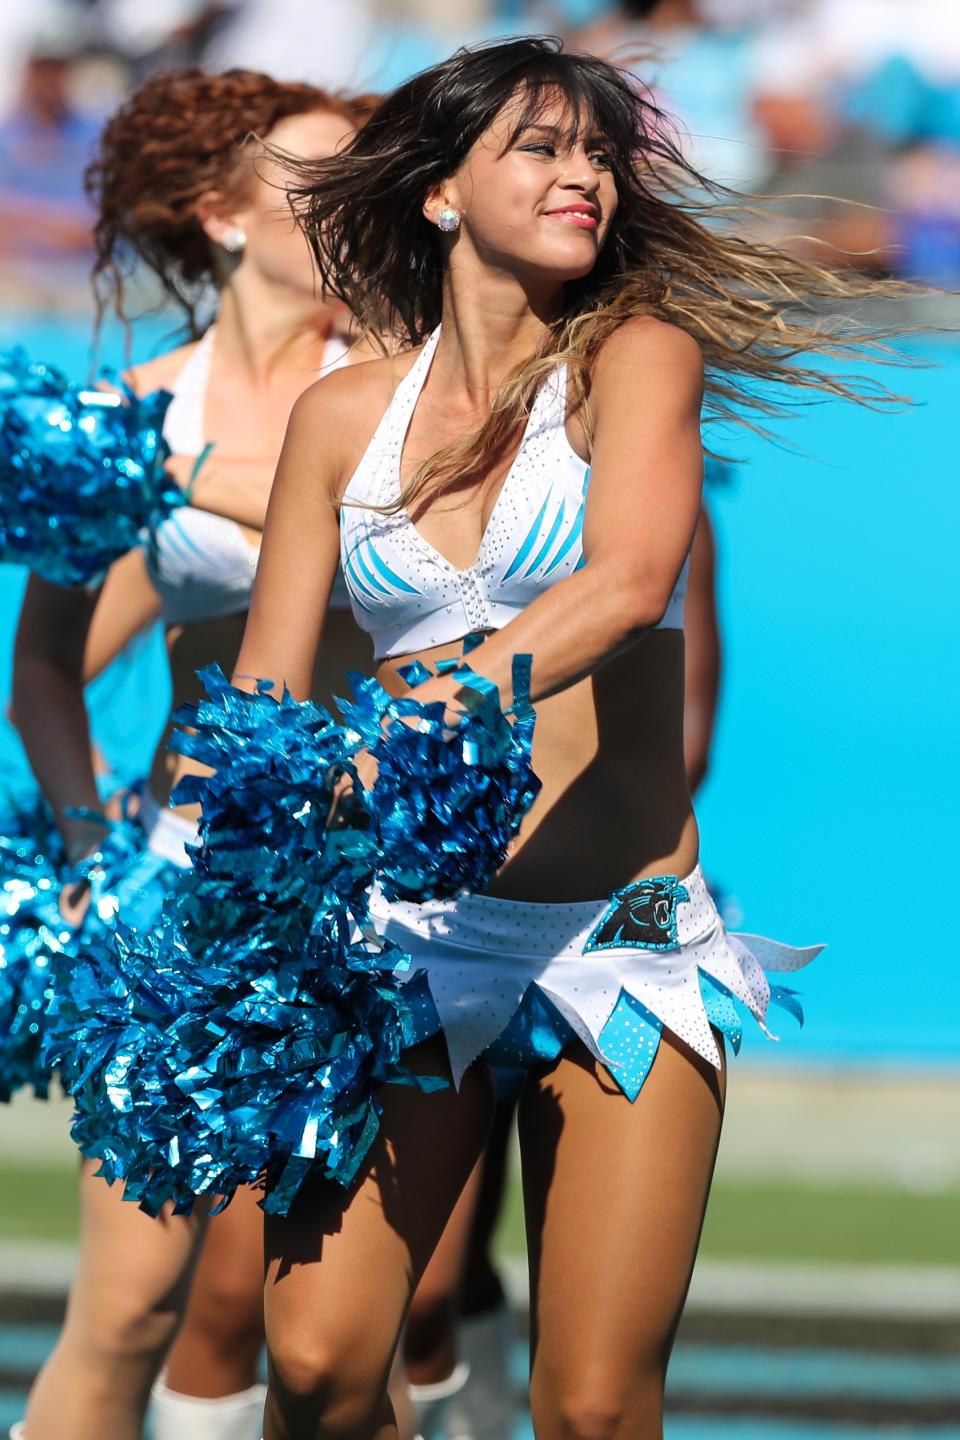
216, 1062
244, 1039
82, 477
446, 804
32, 935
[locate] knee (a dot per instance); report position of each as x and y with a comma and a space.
582, 1415
226, 1311
126, 1333
302, 1374
239, 1292
329, 1389
598, 1407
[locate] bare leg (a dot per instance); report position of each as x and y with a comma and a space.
399, 1398
430, 1341
219, 1342
217, 1348
341, 1269
615, 1195
482, 1289
459, 1367
485, 1407
125, 1303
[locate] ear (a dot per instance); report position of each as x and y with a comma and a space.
219, 214
440, 197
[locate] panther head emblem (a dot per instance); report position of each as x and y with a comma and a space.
643, 914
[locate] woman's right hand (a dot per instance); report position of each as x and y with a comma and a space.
235, 487
74, 903
82, 837
180, 468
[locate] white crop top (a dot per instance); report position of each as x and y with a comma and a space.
405, 594
203, 565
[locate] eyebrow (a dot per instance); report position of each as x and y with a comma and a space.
555, 130
543, 129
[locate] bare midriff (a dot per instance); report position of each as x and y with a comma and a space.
615, 805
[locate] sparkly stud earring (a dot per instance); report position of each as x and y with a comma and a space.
448, 219
234, 240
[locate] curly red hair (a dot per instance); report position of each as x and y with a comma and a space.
181, 134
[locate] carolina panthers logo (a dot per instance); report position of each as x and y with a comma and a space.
643, 914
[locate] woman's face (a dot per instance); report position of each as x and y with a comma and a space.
276, 246
539, 204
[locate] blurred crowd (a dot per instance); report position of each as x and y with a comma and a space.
857, 100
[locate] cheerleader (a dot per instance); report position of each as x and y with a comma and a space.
181, 186
531, 471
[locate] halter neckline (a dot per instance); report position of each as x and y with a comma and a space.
412, 385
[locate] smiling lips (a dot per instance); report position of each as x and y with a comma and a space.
584, 215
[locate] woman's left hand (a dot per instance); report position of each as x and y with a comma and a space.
439, 688
344, 804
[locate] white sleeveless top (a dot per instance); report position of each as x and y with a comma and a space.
203, 565
405, 594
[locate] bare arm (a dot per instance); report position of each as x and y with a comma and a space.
702, 656
233, 486
642, 508
298, 557
48, 703
128, 603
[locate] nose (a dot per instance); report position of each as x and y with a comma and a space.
579, 174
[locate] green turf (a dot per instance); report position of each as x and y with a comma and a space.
856, 1225
39, 1202
767, 1221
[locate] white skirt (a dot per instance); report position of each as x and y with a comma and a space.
513, 981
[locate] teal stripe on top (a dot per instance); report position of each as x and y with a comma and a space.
389, 574
367, 573
576, 530
545, 548
359, 589
528, 543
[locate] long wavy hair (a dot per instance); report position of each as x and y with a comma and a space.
756, 311
182, 133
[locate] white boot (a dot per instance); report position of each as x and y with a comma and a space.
430, 1402
484, 1408
187, 1417
17, 1432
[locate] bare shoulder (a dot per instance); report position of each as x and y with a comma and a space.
161, 373
353, 390
657, 347
341, 411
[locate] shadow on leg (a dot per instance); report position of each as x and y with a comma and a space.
430, 1341
341, 1268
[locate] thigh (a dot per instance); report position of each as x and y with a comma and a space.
429, 1337
615, 1195
341, 1268
125, 1301
482, 1289
218, 1344
229, 1273
130, 1265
